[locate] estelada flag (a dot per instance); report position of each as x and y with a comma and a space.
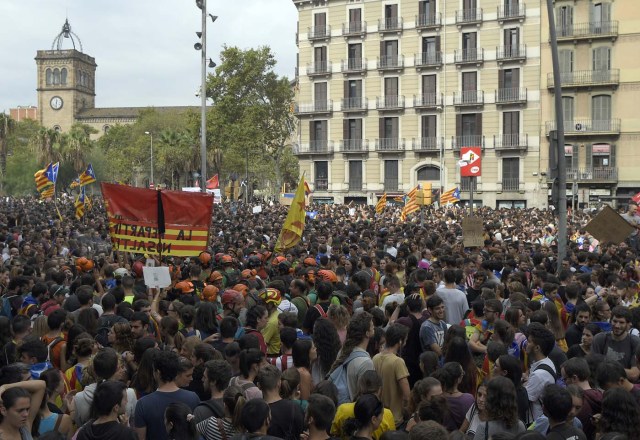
213, 183
87, 176
157, 222
382, 203
293, 226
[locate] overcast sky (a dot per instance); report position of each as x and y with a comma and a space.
143, 48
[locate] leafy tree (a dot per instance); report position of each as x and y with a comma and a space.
7, 126
21, 162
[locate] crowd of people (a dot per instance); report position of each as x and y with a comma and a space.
370, 328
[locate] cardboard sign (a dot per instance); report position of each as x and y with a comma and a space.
156, 277
470, 161
257, 209
472, 229
608, 225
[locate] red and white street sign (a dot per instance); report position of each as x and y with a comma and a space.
470, 161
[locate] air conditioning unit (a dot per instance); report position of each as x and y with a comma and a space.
581, 127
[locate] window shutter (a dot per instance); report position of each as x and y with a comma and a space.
312, 131
381, 131
478, 124
347, 89
320, 19
589, 154
473, 40
421, 6
358, 131
438, 43
383, 49
393, 11
359, 88
500, 80
606, 15
394, 128
515, 78
358, 51
345, 129
612, 155
432, 125
515, 122
575, 156
458, 125
428, 84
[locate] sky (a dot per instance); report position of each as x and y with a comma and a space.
143, 48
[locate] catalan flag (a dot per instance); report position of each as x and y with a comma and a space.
87, 176
80, 204
451, 196
75, 183
382, 203
410, 204
307, 189
293, 227
48, 192
47, 176
399, 199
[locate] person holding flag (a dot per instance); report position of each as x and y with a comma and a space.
382, 204
410, 203
87, 176
80, 204
293, 227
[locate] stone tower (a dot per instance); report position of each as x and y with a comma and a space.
66, 81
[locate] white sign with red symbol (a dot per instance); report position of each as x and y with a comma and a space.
470, 161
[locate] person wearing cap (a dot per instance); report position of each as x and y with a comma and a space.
58, 294
271, 332
233, 305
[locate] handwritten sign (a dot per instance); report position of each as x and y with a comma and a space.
156, 277
472, 229
608, 225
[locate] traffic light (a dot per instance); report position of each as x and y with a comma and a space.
426, 194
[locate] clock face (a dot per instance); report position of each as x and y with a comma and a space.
56, 103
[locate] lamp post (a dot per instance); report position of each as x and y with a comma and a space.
151, 176
202, 46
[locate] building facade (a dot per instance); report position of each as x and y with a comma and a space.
390, 90
21, 113
600, 80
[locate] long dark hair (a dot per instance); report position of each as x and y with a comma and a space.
501, 401
327, 342
206, 318
620, 413
300, 353
458, 351
357, 330
366, 407
253, 314
184, 424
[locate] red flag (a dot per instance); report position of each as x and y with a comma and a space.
636, 199
153, 222
213, 183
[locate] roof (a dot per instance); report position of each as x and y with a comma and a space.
128, 112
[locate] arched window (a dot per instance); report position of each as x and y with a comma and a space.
63, 76
49, 77
428, 172
56, 76
57, 128
106, 129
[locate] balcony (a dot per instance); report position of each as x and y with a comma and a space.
389, 145
429, 144
321, 184
467, 182
468, 16
587, 78
511, 12
354, 29
510, 142
428, 21
510, 96
587, 127
315, 33
428, 101
425, 60
358, 104
390, 184
511, 53
592, 175
390, 24
314, 108
321, 68
354, 65
467, 141
468, 56
510, 184
318, 147
468, 98
354, 146
390, 103
588, 31
391, 62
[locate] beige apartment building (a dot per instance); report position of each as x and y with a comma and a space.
600, 78
390, 90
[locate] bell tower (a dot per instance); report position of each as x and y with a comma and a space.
66, 81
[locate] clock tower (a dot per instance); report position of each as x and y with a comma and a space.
66, 81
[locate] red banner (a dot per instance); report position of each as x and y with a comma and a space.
470, 161
157, 222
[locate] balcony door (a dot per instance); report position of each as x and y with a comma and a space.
564, 21
511, 42
355, 175
469, 87
320, 96
567, 112
600, 18
601, 113
355, 56
321, 175
601, 64
510, 174
510, 129
391, 175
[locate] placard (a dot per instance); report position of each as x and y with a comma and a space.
608, 225
472, 232
471, 156
257, 209
156, 277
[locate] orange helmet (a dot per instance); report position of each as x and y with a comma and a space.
185, 287
248, 274
210, 293
215, 276
204, 257
81, 261
327, 275
309, 262
88, 266
231, 296
242, 289
271, 296
227, 259
279, 259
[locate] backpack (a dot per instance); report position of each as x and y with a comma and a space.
231, 278
320, 310
557, 379
52, 345
339, 377
215, 409
344, 300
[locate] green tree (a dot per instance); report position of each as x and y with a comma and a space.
7, 126
21, 162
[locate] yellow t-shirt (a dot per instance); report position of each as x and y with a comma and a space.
391, 368
345, 412
271, 334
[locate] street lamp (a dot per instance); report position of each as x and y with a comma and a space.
151, 177
202, 46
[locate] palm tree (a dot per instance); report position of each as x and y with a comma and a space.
47, 144
7, 125
77, 146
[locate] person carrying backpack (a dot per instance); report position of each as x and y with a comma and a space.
540, 342
353, 360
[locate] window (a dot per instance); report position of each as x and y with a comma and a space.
428, 173
389, 52
63, 76
352, 134
601, 63
567, 111
320, 55
391, 16
601, 113
355, 175
429, 90
511, 129
320, 25
106, 129
510, 174
57, 128
391, 175
56, 76
353, 89
355, 20
469, 130
428, 135
318, 136
564, 21
321, 170
469, 5
49, 77
601, 158
600, 18
320, 96
354, 52
511, 42
469, 87
508, 84
427, 12
391, 90
469, 46
571, 159
511, 8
